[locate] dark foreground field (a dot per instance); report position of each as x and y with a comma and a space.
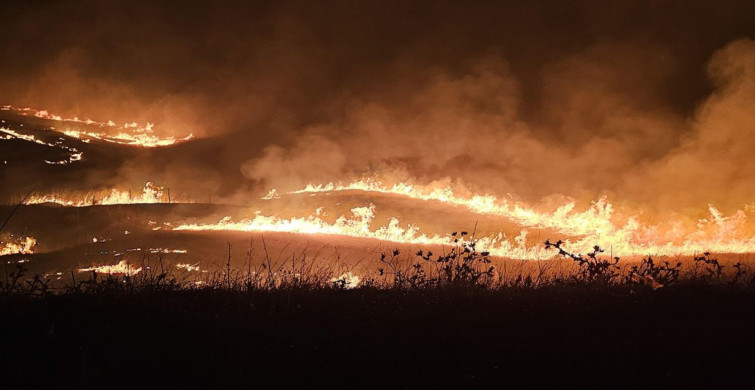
614, 337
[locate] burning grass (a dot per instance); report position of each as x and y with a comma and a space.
132, 133
600, 223
464, 267
150, 194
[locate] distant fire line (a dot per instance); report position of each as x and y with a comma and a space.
131, 134
151, 193
359, 225
73, 153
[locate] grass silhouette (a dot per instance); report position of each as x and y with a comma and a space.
443, 320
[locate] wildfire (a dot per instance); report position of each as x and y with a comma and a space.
143, 139
595, 219
132, 134
599, 224
73, 153
123, 267
151, 193
347, 280
24, 246
167, 251
359, 224
188, 267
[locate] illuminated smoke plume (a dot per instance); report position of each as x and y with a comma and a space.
543, 104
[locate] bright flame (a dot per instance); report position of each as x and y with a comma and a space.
151, 193
123, 267
128, 134
359, 224
25, 246
596, 225
347, 280
144, 139
166, 251
273, 194
188, 267
73, 153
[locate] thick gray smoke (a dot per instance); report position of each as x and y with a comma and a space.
650, 104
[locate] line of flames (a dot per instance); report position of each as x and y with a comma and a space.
73, 153
596, 219
359, 225
596, 225
132, 133
124, 267
151, 193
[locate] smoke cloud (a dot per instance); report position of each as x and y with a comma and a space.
649, 104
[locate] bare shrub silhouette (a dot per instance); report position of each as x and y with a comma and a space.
592, 268
464, 267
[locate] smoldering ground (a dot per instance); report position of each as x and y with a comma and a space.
647, 103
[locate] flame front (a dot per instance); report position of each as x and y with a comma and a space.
347, 280
188, 267
596, 225
151, 193
599, 224
132, 134
73, 153
24, 246
123, 267
359, 225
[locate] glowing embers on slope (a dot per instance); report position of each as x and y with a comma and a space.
22, 245
599, 224
127, 134
151, 193
359, 224
73, 153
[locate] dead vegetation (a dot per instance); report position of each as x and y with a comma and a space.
464, 267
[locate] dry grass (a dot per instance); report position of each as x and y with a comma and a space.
464, 267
